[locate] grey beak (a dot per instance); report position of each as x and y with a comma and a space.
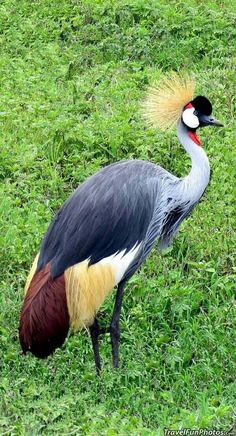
208, 120
215, 122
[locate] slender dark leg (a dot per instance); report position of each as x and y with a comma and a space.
94, 332
115, 326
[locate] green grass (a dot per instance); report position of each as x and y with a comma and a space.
72, 76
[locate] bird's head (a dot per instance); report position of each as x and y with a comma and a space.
198, 113
172, 101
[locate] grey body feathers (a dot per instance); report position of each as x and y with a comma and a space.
124, 204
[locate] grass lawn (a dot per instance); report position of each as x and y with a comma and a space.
72, 77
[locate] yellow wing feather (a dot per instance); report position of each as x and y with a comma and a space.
165, 100
31, 273
86, 289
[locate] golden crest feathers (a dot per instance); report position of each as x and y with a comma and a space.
165, 100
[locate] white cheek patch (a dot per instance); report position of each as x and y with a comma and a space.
189, 118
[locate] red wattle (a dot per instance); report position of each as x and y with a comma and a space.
194, 138
188, 106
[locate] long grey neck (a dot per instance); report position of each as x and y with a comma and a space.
195, 183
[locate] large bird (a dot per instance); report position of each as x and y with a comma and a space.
107, 227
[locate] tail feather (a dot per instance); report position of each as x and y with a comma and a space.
44, 321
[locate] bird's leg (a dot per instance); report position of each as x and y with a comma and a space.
115, 326
94, 332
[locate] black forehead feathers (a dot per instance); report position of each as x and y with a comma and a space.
202, 104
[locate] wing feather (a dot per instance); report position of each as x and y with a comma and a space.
108, 213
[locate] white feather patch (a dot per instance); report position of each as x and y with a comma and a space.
120, 261
189, 118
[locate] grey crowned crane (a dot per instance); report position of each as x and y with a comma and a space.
107, 227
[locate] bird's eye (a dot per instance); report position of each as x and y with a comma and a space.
189, 118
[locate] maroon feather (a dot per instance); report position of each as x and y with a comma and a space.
44, 321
